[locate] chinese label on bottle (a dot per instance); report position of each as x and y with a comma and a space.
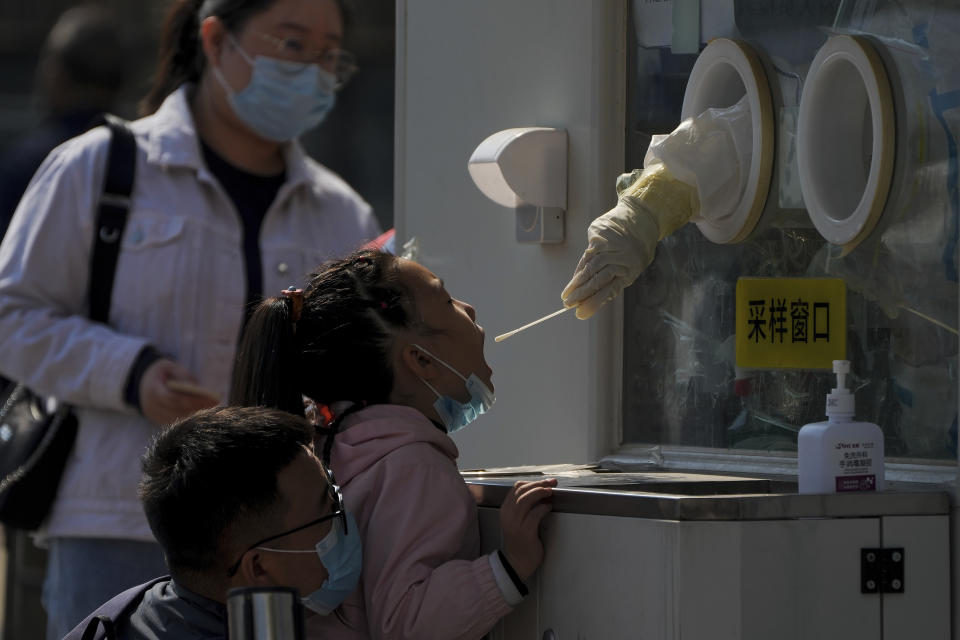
853, 467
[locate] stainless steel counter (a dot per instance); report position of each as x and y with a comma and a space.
669, 495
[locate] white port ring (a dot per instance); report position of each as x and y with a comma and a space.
710, 86
846, 140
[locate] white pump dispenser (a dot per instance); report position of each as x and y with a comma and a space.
840, 455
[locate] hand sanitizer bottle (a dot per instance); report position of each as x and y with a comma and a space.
840, 455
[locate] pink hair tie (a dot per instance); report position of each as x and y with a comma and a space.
383, 305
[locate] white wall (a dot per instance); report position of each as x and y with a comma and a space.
469, 69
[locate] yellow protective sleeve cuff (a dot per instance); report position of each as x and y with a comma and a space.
670, 202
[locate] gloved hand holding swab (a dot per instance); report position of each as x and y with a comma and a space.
504, 336
694, 173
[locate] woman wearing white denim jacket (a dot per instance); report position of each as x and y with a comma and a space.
225, 205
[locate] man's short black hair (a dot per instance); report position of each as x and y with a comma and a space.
213, 472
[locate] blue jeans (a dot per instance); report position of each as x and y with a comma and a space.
83, 573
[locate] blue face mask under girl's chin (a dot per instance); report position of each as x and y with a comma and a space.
456, 415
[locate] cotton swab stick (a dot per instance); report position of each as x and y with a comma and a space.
506, 335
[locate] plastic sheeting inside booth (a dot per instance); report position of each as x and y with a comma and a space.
680, 382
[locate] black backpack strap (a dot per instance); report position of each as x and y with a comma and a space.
111, 215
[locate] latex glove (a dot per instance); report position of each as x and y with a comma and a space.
621, 243
705, 156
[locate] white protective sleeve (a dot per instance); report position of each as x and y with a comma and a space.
696, 172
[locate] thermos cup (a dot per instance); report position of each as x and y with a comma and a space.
264, 613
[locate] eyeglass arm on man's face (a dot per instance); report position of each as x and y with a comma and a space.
338, 511
232, 570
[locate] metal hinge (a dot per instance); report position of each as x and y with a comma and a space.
881, 570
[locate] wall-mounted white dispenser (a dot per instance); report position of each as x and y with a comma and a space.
726, 71
525, 169
846, 139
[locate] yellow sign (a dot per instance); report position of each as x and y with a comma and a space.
791, 323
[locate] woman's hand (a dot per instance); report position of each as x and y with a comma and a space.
520, 516
161, 405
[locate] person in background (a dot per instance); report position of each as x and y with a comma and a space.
236, 497
80, 73
225, 205
81, 70
378, 340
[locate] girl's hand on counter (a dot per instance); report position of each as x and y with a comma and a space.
520, 516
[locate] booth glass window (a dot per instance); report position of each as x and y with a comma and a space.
681, 383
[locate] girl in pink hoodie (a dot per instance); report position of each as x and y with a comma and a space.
379, 339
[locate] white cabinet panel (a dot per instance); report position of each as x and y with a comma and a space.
923, 609
784, 579
617, 577
607, 577
801, 579
707, 587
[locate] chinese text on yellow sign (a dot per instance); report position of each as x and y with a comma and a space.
791, 323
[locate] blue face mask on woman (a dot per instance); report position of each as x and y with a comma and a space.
454, 414
342, 557
283, 98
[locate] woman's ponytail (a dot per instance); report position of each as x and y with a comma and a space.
267, 370
181, 56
